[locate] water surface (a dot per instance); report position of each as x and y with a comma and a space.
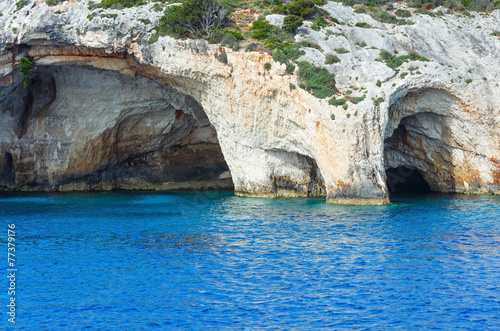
142, 261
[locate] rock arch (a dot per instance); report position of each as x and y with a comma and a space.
93, 121
431, 131
137, 124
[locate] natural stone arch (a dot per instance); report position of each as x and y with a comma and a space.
101, 161
433, 132
115, 128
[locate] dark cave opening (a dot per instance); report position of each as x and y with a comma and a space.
150, 136
406, 181
7, 171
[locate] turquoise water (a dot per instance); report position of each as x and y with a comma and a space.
143, 261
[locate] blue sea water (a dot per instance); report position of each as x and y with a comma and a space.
195, 261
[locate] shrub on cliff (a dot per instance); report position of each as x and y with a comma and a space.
222, 57
193, 18
302, 8
475, 5
331, 59
385, 17
403, 13
279, 56
272, 36
120, 4
318, 81
394, 62
292, 23
26, 67
261, 29
287, 53
337, 102
228, 38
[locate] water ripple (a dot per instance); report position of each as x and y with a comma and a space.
188, 261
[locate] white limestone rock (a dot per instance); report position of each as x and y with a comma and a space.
441, 118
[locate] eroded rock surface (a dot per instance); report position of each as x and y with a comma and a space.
109, 111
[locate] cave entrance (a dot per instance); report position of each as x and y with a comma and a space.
406, 159
405, 180
428, 144
7, 171
114, 132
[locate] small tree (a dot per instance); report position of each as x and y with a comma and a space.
302, 8
292, 23
196, 18
26, 68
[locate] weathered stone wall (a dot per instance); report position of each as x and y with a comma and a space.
108, 111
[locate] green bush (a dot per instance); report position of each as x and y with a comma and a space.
319, 23
261, 29
228, 38
360, 10
468, 80
284, 54
119, 4
341, 50
230, 5
356, 100
394, 62
251, 47
279, 56
363, 25
290, 68
318, 81
190, 19
403, 13
476, 5
292, 23
378, 101
385, 17
311, 45
154, 38
20, 4
278, 38
293, 52
222, 57
379, 83
302, 8
267, 66
144, 20
279, 9
331, 59
424, 12
337, 102
26, 67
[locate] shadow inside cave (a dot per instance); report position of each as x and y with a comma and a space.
85, 128
404, 181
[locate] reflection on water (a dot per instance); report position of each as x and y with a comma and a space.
180, 241
198, 261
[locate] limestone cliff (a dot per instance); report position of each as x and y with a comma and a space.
107, 110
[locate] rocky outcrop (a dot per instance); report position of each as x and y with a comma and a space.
107, 110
